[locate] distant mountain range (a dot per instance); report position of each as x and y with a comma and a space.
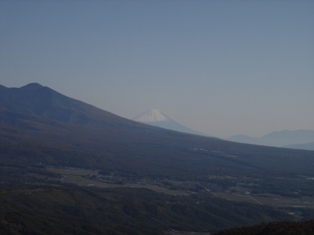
42, 130
36, 107
299, 139
35, 115
155, 117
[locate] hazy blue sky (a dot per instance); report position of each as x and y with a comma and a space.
219, 67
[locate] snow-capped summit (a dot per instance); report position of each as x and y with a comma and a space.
155, 117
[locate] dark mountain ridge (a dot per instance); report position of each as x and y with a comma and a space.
47, 138
44, 102
35, 115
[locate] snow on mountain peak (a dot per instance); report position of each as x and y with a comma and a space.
153, 115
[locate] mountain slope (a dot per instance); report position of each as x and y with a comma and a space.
59, 210
34, 99
155, 117
274, 228
49, 159
39, 119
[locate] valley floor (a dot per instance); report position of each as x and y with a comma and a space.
77, 200
235, 189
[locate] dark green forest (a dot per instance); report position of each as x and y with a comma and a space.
73, 210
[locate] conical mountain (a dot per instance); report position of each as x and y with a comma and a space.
151, 116
155, 117
42, 130
39, 101
40, 125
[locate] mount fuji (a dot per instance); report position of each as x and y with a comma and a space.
155, 117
